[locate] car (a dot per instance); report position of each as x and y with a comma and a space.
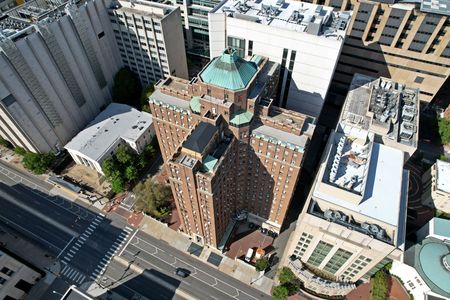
183, 273
274, 235
264, 231
269, 233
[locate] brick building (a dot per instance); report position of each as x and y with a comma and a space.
228, 150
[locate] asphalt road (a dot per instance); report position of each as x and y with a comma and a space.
157, 258
86, 242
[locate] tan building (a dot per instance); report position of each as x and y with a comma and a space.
388, 109
355, 218
408, 42
149, 36
436, 186
16, 278
229, 152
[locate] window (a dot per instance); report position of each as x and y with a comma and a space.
101, 34
337, 261
320, 252
237, 44
24, 286
250, 48
7, 271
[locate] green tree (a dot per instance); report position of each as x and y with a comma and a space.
280, 292
124, 156
286, 275
131, 173
5, 143
20, 151
153, 198
117, 183
380, 285
444, 158
38, 163
262, 264
127, 88
109, 165
146, 93
444, 130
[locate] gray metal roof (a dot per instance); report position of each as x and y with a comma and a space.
200, 137
117, 121
441, 7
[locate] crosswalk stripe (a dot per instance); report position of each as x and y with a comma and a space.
79, 245
67, 258
66, 271
89, 230
92, 277
91, 226
76, 248
128, 229
81, 279
96, 222
73, 275
84, 235
76, 278
70, 255
65, 267
65, 263
70, 273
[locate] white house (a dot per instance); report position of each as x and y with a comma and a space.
117, 124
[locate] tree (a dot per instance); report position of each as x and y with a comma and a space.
286, 275
444, 130
131, 173
261, 264
5, 143
380, 285
127, 88
117, 184
280, 292
20, 151
124, 155
146, 93
38, 163
153, 198
109, 165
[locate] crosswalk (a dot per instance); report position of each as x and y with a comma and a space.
72, 274
115, 247
82, 239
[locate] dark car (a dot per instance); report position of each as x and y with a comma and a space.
274, 235
264, 231
251, 225
183, 273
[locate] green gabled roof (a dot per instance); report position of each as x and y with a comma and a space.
195, 105
229, 71
242, 117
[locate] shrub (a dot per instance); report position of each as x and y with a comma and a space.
280, 292
261, 264
38, 163
20, 151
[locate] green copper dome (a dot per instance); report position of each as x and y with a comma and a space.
430, 261
229, 71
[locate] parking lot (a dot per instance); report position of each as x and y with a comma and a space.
244, 237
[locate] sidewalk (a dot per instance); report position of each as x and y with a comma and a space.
235, 268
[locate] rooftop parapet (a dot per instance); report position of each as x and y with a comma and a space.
384, 107
289, 15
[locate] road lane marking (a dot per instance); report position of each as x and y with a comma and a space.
26, 230
129, 240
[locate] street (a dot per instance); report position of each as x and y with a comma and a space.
92, 247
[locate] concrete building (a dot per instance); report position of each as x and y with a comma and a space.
388, 109
425, 270
229, 152
16, 277
57, 64
436, 186
149, 36
354, 220
194, 15
305, 39
6, 5
407, 41
73, 293
118, 124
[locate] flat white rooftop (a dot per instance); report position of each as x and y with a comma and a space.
117, 121
443, 176
383, 192
290, 15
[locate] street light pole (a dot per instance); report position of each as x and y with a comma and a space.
58, 293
